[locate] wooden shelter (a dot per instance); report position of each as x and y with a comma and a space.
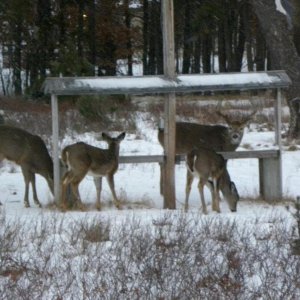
170, 84
180, 84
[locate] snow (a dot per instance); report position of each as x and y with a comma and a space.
138, 186
279, 7
140, 182
147, 84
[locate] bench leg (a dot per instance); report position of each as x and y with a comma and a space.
270, 181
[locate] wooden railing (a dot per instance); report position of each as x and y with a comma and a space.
269, 163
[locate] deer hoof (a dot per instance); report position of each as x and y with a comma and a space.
118, 206
63, 208
81, 206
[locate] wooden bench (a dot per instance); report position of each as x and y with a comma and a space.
269, 164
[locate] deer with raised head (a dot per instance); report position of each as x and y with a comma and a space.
82, 159
210, 168
30, 153
215, 137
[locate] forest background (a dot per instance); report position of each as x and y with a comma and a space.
40, 38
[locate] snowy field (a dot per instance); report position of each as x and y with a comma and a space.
139, 183
151, 253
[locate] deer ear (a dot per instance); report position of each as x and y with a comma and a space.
121, 136
105, 136
233, 188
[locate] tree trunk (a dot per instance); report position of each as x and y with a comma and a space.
221, 48
17, 58
283, 55
80, 34
128, 43
187, 49
206, 53
92, 33
151, 64
145, 37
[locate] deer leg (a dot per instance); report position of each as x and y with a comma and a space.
110, 180
189, 181
29, 177
35, 197
75, 191
70, 180
27, 181
201, 187
216, 196
26, 201
161, 181
98, 184
210, 186
64, 187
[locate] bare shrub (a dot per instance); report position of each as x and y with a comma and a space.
172, 256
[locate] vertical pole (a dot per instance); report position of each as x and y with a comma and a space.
278, 118
169, 104
278, 140
55, 154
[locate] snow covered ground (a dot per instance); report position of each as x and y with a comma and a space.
139, 183
151, 253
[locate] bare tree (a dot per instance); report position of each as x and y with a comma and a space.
283, 55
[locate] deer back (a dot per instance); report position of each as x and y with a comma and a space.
205, 163
25, 149
216, 137
81, 157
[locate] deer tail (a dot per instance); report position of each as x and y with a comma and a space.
64, 156
190, 159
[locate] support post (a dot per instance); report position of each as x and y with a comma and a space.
278, 121
55, 154
270, 169
278, 118
270, 178
169, 104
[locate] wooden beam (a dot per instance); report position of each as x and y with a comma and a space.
169, 104
185, 83
141, 159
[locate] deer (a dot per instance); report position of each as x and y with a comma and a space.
30, 153
83, 159
216, 137
212, 171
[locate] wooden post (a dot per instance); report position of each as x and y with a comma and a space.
278, 139
270, 169
169, 104
277, 114
55, 154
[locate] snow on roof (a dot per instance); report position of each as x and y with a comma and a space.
161, 84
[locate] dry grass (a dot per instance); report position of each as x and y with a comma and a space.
174, 256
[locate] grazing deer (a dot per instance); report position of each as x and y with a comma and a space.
211, 169
82, 159
30, 152
215, 137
